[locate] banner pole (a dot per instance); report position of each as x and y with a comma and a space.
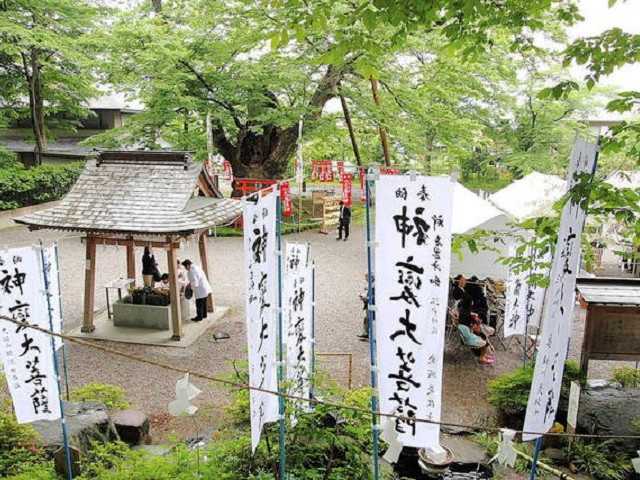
281, 404
372, 341
313, 331
536, 454
64, 346
63, 422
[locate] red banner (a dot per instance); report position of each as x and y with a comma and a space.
362, 171
322, 170
228, 171
285, 198
389, 171
347, 183
340, 166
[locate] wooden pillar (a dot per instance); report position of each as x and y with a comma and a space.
131, 260
89, 285
174, 292
202, 246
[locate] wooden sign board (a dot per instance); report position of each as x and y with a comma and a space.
330, 214
574, 403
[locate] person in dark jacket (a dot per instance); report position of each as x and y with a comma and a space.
344, 221
478, 298
150, 272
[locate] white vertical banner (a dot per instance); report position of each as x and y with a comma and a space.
26, 353
523, 299
51, 270
412, 259
298, 315
261, 265
559, 302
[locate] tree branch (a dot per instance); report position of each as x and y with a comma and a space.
225, 105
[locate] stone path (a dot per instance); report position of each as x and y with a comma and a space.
339, 279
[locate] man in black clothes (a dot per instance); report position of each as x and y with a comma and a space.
344, 221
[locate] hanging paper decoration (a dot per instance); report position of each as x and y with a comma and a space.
298, 317
285, 198
523, 300
559, 302
261, 269
185, 393
506, 453
347, 182
412, 259
27, 354
390, 435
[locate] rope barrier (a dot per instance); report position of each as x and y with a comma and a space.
287, 396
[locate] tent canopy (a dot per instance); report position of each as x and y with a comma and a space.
531, 196
624, 179
471, 212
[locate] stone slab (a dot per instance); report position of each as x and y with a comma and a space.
105, 330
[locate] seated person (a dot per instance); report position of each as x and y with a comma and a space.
479, 300
474, 333
162, 286
458, 289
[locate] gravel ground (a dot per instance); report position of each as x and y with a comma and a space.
340, 268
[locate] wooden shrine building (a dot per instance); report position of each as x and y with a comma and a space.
135, 199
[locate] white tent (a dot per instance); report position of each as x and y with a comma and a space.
622, 179
531, 196
470, 212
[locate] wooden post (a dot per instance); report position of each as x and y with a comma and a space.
202, 246
383, 132
89, 285
174, 292
131, 261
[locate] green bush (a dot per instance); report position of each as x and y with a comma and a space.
598, 459
509, 392
21, 187
19, 449
628, 377
111, 396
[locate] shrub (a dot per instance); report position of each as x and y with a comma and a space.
111, 396
19, 449
598, 459
509, 392
21, 187
628, 377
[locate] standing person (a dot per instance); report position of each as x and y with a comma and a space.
344, 221
201, 289
150, 272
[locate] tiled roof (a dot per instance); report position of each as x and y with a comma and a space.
137, 193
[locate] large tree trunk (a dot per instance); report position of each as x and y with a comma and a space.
32, 74
266, 154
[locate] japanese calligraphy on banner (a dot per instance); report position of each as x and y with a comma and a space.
259, 220
347, 182
523, 300
285, 197
26, 353
412, 259
322, 170
298, 315
559, 302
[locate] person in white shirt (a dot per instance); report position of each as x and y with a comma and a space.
201, 289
